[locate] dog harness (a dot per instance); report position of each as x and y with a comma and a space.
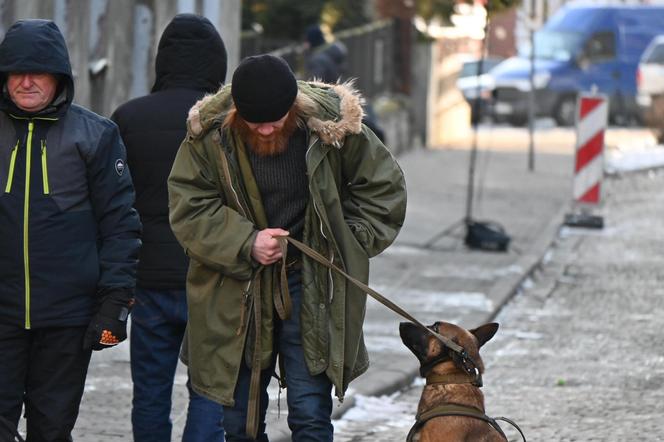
452, 410
455, 409
465, 376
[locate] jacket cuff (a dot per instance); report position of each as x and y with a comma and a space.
116, 303
245, 252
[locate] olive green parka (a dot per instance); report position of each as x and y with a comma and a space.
356, 208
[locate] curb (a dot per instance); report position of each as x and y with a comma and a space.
505, 288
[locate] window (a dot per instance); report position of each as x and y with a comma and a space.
601, 46
656, 54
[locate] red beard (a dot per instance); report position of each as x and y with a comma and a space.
262, 145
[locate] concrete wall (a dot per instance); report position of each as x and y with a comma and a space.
112, 43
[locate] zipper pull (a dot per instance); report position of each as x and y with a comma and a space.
44, 167
12, 164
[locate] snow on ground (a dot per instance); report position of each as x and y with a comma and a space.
386, 414
637, 155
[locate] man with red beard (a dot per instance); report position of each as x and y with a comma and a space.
264, 157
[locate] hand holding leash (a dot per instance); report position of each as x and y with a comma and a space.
266, 249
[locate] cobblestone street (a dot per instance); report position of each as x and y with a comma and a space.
579, 355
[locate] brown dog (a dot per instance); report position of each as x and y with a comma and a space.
451, 407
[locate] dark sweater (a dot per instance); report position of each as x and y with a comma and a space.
282, 180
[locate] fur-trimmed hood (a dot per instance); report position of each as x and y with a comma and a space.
332, 111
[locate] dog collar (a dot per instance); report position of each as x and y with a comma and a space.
464, 361
453, 378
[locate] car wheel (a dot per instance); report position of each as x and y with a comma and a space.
566, 111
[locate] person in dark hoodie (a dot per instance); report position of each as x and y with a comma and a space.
326, 62
70, 236
191, 61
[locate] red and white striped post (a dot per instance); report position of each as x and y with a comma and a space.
591, 122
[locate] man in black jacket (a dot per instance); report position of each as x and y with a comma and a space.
70, 237
191, 61
324, 61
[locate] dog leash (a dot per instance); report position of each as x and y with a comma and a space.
311, 253
284, 240
512, 423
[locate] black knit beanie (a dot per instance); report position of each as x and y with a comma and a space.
263, 88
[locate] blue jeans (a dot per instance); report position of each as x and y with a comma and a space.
309, 397
157, 328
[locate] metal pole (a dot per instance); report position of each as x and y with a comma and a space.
471, 178
531, 95
475, 117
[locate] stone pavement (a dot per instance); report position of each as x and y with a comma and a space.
581, 357
579, 354
428, 271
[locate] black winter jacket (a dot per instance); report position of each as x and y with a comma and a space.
326, 63
191, 60
69, 233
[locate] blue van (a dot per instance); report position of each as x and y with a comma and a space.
581, 48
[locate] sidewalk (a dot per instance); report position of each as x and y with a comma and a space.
433, 280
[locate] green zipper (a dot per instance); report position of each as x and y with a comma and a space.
44, 167
26, 203
12, 163
26, 213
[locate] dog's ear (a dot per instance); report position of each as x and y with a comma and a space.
485, 332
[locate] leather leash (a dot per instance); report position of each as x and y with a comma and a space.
311, 253
473, 371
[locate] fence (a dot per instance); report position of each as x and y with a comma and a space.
370, 60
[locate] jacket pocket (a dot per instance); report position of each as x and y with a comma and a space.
44, 164
12, 164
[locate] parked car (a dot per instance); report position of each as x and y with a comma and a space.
476, 89
581, 48
650, 86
